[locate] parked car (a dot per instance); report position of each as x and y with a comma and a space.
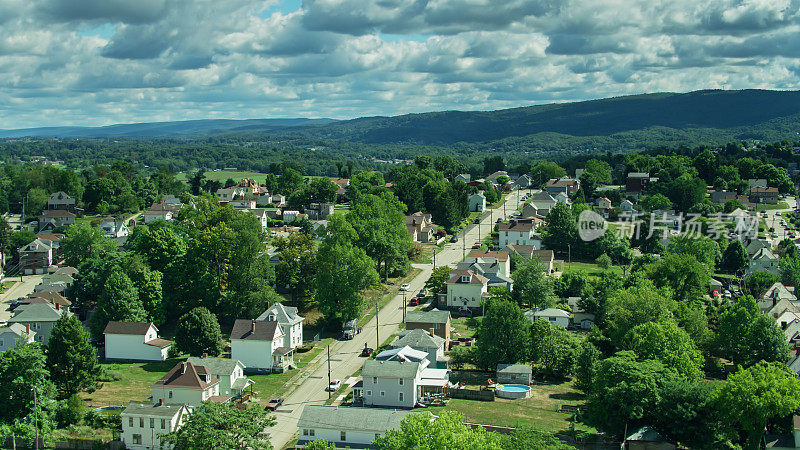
715, 294
763, 211
404, 286
728, 294
476, 245
477, 220
414, 301
499, 220
366, 352
273, 404
454, 239
777, 213
334, 385
422, 292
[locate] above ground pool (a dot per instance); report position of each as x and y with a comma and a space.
513, 391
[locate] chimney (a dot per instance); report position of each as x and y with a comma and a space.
784, 325
28, 329
160, 402
253, 326
58, 306
430, 330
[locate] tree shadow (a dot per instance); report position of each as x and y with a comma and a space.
569, 396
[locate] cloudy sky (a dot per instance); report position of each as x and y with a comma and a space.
96, 62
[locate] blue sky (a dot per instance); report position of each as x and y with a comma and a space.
98, 62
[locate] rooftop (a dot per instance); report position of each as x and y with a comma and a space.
344, 418
389, 369
432, 316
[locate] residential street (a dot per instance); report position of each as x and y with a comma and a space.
19, 289
345, 359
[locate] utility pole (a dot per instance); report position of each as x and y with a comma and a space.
464, 244
404, 306
377, 327
329, 372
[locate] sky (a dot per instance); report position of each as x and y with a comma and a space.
98, 62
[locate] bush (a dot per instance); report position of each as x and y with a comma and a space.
70, 411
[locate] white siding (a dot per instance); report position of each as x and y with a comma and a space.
253, 354
133, 347
391, 389
360, 438
150, 437
472, 293
191, 397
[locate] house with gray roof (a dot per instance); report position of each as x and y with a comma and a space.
514, 373
136, 341
433, 346
347, 427
553, 315
435, 321
36, 257
399, 384
14, 333
259, 346
39, 317
144, 423
290, 322
230, 372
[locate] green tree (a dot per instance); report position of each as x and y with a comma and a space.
546, 170
731, 206
683, 274
531, 285
562, 228
223, 425
759, 281
437, 282
83, 241
22, 368
656, 202
502, 335
422, 431
148, 285
752, 396
666, 342
35, 201
198, 333
344, 271
704, 249
746, 336
553, 349
118, 301
790, 269
380, 224
687, 413
197, 181
585, 365
289, 181
603, 261
635, 305
71, 357
735, 257
319, 444
298, 265
159, 244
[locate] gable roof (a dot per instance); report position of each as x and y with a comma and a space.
253, 330
151, 410
515, 368
455, 277
779, 290
50, 213
284, 314
68, 270
343, 418
764, 253
50, 297
187, 375
561, 182
432, 316
37, 312
404, 353
515, 226
389, 369
60, 195
646, 434
498, 254
214, 366
133, 328
36, 246
419, 339
15, 328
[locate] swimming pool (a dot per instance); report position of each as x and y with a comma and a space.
513, 391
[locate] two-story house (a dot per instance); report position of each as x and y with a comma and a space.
54, 218
229, 372
39, 317
477, 202
564, 185
290, 323
136, 341
420, 226
114, 228
259, 346
424, 341
518, 233
398, 383
188, 384
500, 258
764, 260
61, 200
346, 427
143, 424
12, 334
466, 290
436, 320
36, 257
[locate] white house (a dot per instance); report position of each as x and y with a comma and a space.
53, 218
36, 257
259, 346
290, 215
346, 427
518, 233
466, 289
162, 211
477, 202
553, 315
290, 322
14, 333
261, 216
114, 228
399, 384
187, 384
580, 318
424, 341
463, 177
144, 423
137, 341
229, 372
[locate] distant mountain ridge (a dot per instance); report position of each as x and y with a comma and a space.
625, 122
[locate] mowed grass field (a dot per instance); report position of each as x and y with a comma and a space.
223, 175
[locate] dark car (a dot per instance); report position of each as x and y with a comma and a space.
422, 292
476, 245
273, 404
499, 219
477, 220
366, 352
454, 239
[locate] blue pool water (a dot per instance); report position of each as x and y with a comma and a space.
514, 388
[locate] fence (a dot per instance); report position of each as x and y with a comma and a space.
469, 394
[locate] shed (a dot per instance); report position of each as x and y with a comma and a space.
514, 373
646, 438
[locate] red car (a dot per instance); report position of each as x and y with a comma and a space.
414, 301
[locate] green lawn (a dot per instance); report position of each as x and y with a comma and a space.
386, 291
132, 381
464, 327
767, 206
589, 268
539, 411
6, 284
223, 175
426, 253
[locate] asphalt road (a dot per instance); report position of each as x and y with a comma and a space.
774, 220
19, 289
344, 355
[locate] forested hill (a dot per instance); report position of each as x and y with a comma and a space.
734, 113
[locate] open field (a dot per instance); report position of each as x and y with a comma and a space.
539, 411
591, 269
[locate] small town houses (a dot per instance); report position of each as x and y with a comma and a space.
134, 341
259, 345
346, 427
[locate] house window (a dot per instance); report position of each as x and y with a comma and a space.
342, 436
375, 380
436, 326
401, 381
305, 431
311, 432
383, 393
141, 422
163, 424
137, 439
369, 393
130, 422
170, 394
400, 397
2, 343
152, 423
38, 338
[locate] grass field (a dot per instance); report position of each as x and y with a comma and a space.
464, 327
540, 411
767, 206
223, 175
591, 269
426, 253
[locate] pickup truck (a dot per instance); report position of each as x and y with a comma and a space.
273, 404
350, 329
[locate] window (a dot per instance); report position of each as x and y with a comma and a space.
137, 439
38, 338
436, 326
141, 422
342, 436
401, 381
170, 394
369, 393
305, 431
400, 397
375, 380
163, 424
152, 423
1, 343
383, 393
311, 432
130, 422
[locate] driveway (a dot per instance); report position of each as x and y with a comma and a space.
345, 359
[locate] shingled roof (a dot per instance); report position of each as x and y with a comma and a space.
253, 330
187, 375
135, 328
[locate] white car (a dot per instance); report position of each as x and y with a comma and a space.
404, 287
334, 385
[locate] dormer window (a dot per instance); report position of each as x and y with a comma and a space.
465, 278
